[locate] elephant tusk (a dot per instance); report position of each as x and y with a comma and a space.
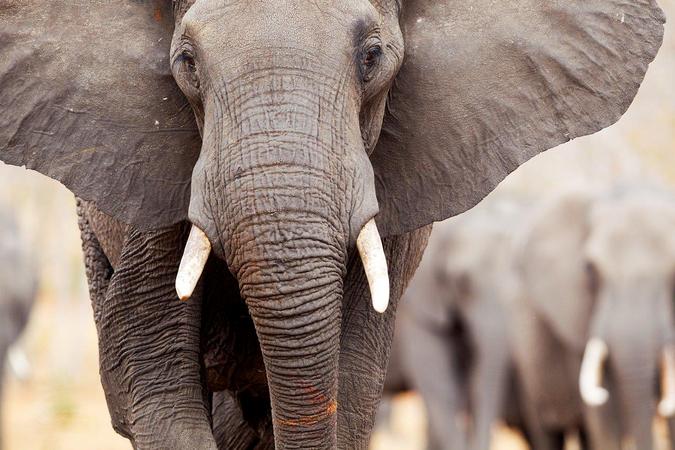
590, 378
370, 248
197, 251
667, 403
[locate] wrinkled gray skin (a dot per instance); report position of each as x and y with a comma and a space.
452, 339
307, 119
596, 265
232, 356
18, 288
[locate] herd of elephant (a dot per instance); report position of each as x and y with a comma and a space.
554, 316
277, 165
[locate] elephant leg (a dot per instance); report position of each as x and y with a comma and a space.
488, 381
148, 341
584, 439
438, 384
538, 436
670, 423
555, 440
3, 357
602, 427
548, 440
231, 430
367, 335
97, 267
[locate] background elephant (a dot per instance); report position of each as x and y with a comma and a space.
18, 288
310, 126
598, 271
451, 343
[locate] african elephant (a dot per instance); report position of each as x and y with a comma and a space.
18, 289
253, 153
451, 342
596, 324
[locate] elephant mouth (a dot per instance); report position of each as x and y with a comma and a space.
368, 243
592, 369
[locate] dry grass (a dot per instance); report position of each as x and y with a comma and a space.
408, 424
62, 405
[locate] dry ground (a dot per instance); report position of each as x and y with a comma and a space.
61, 407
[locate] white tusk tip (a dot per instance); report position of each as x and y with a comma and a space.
183, 294
195, 256
597, 397
380, 295
666, 408
370, 249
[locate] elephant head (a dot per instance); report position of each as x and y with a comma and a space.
599, 268
309, 121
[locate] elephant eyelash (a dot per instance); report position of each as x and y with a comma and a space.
369, 60
372, 55
186, 58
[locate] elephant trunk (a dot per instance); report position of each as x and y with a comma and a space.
296, 308
634, 368
630, 338
489, 377
629, 354
633, 375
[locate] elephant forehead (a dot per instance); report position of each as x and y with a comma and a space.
318, 26
633, 239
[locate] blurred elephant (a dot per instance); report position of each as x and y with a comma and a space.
452, 340
598, 272
18, 288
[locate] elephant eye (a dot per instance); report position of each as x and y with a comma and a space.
189, 61
188, 68
372, 55
369, 60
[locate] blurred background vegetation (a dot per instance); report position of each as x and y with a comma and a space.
61, 404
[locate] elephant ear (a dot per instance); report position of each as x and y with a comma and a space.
486, 85
550, 258
87, 98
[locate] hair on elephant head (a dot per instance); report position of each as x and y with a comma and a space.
309, 121
599, 269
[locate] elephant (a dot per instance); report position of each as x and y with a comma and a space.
18, 289
275, 164
594, 326
451, 342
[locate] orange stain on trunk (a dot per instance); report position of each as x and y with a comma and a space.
331, 408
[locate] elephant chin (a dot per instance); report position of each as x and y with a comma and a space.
368, 243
